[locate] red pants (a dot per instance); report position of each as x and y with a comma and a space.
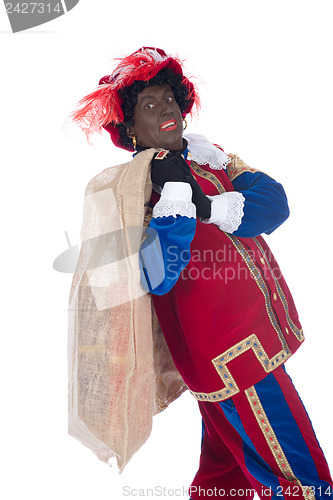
261, 441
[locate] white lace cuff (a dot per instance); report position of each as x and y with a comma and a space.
226, 211
175, 200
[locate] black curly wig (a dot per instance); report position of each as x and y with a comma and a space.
130, 98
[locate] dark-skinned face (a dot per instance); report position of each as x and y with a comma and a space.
157, 119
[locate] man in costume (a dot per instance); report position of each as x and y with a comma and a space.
226, 313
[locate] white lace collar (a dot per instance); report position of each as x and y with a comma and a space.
202, 152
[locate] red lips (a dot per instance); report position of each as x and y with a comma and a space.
169, 125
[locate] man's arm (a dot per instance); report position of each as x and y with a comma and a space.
258, 205
166, 249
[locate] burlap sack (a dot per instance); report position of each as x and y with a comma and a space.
120, 369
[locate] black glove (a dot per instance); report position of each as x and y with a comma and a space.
199, 199
173, 168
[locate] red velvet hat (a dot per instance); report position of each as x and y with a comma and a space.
102, 108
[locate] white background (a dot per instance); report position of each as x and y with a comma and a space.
264, 71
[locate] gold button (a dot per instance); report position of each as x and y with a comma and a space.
274, 296
287, 331
262, 260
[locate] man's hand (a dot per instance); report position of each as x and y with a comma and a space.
172, 168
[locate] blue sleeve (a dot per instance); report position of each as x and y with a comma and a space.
265, 206
165, 252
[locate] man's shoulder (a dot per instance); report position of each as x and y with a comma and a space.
237, 167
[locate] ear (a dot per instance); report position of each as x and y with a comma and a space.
130, 132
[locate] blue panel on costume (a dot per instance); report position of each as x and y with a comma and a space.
254, 463
203, 431
151, 257
284, 424
265, 207
165, 252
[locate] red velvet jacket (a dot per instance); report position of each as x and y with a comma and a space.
230, 318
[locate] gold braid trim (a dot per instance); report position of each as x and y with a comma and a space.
207, 175
297, 332
237, 167
220, 364
273, 443
262, 287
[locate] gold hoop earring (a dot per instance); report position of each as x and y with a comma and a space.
134, 142
184, 120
